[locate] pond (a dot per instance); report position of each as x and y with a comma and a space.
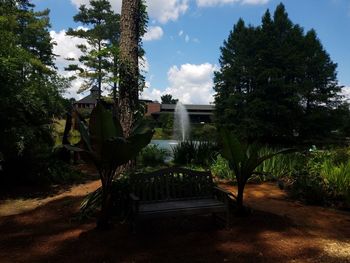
165, 144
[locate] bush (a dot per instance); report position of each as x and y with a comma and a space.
120, 198
220, 168
198, 153
311, 188
204, 132
325, 178
280, 165
338, 179
152, 155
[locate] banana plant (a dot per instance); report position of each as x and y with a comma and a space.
243, 159
104, 144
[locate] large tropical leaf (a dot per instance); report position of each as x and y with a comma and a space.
103, 126
232, 150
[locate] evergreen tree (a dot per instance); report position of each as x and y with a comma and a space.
99, 34
168, 99
30, 93
276, 83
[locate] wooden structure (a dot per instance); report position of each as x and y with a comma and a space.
177, 191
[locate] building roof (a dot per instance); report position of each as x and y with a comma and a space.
89, 99
208, 107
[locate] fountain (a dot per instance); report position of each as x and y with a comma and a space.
181, 122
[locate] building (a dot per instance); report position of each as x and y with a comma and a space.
197, 113
88, 102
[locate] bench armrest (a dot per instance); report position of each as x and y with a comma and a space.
133, 197
224, 192
134, 204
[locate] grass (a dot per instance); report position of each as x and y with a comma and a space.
280, 165
337, 177
161, 135
58, 130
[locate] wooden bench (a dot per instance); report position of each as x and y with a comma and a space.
176, 191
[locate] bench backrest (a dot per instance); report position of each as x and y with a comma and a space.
171, 184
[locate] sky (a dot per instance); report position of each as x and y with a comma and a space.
184, 38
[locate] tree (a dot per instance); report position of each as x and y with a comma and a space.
30, 93
104, 144
273, 71
168, 99
102, 32
133, 26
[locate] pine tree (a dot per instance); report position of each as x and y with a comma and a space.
276, 83
133, 23
95, 59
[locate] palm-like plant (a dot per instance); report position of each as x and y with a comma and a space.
103, 143
243, 160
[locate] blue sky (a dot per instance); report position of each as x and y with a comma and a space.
184, 38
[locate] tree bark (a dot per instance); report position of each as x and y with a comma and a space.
103, 221
129, 69
240, 207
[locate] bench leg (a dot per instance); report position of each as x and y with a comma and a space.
133, 225
228, 218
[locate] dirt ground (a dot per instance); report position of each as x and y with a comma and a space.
45, 229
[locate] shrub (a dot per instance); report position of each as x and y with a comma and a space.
204, 132
152, 155
324, 179
311, 188
338, 179
191, 152
221, 169
120, 190
280, 165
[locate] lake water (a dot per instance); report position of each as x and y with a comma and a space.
165, 144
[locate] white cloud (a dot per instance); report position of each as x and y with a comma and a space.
153, 33
191, 84
207, 3
181, 32
160, 10
66, 48
346, 93
187, 38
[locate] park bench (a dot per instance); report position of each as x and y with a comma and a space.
176, 191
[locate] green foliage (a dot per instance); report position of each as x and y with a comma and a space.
153, 156
221, 169
104, 144
30, 94
167, 123
120, 190
204, 132
272, 71
168, 99
310, 187
338, 178
194, 152
243, 160
161, 135
325, 178
280, 166
100, 57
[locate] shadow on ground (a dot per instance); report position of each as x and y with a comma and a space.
51, 233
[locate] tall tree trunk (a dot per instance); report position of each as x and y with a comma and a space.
129, 70
99, 71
